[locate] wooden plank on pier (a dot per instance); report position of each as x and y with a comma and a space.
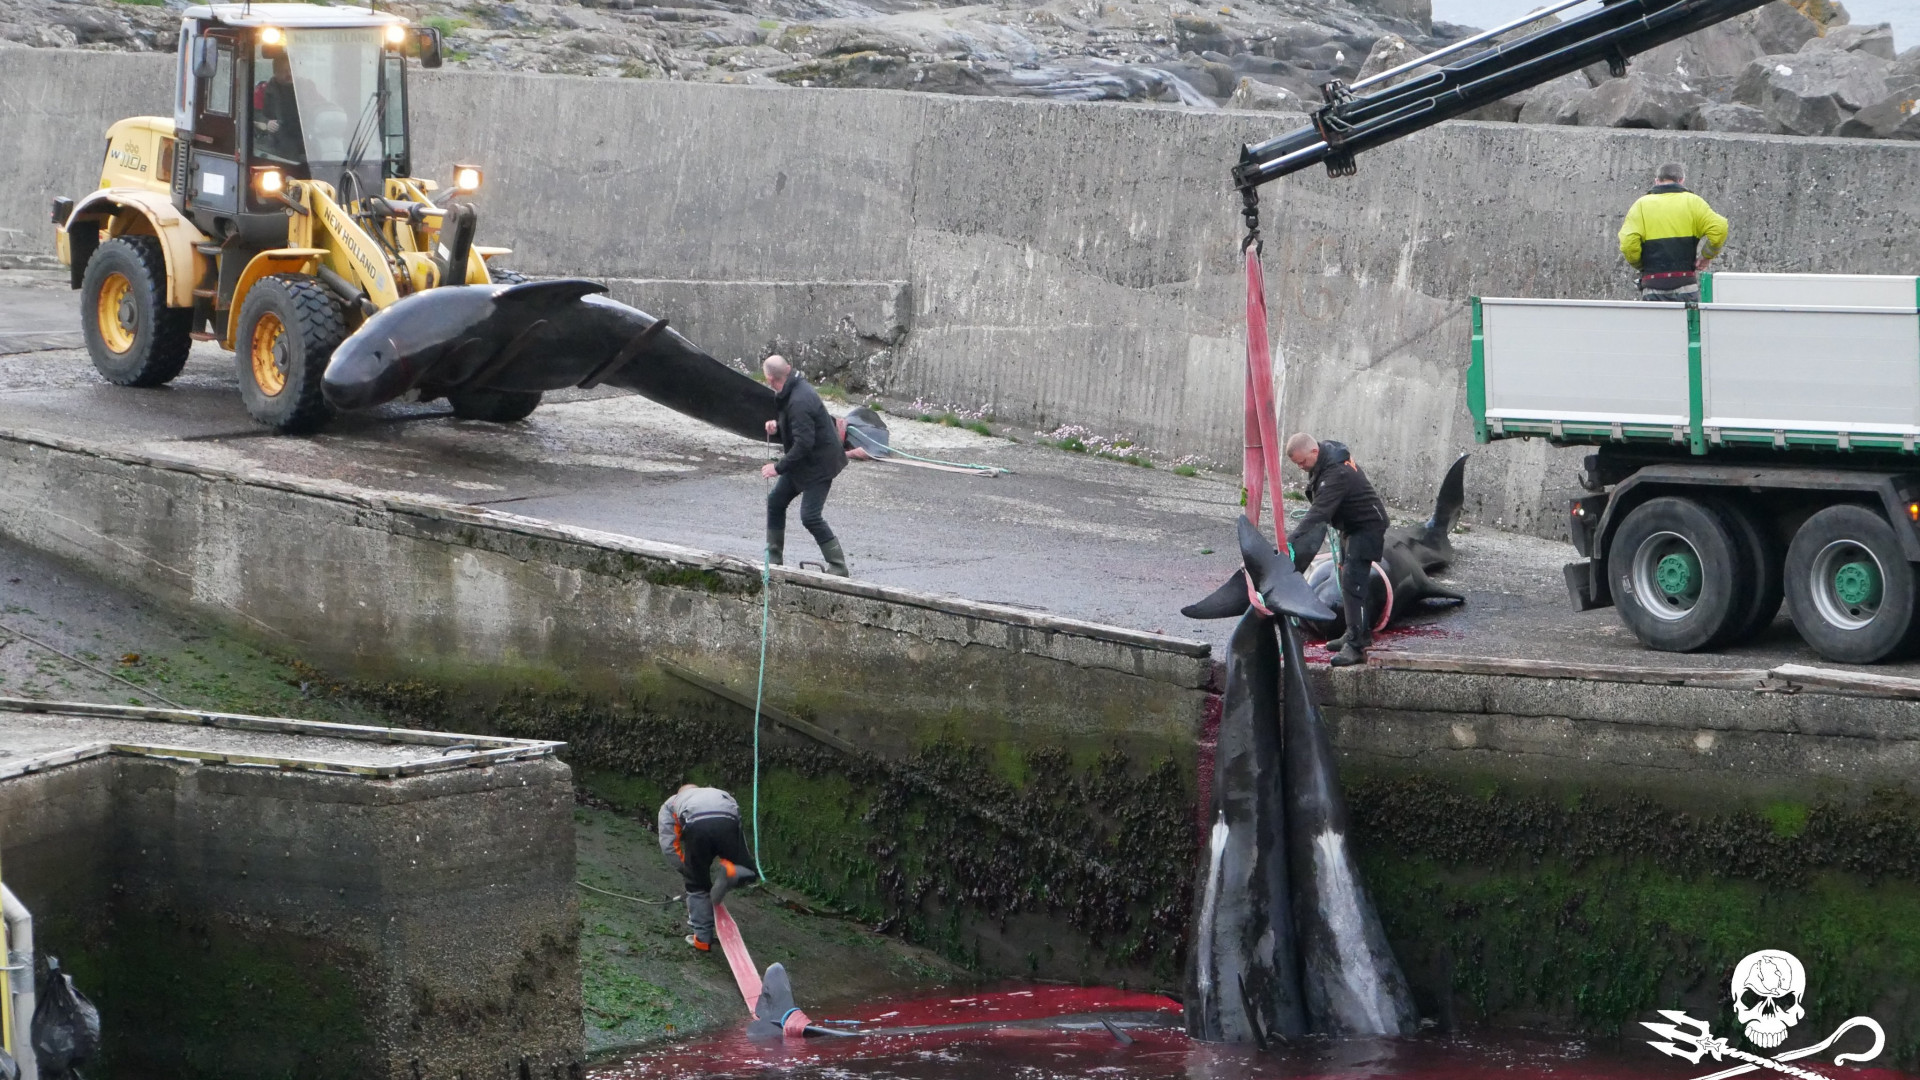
1868, 683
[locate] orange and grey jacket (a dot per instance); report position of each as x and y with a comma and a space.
686, 807
1661, 236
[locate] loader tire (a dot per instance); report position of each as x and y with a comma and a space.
498, 406
1675, 569
135, 339
1850, 588
289, 326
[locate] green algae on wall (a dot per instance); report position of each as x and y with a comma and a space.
218, 1001
944, 847
1592, 912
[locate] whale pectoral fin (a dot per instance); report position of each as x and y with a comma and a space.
548, 293
626, 354
1229, 601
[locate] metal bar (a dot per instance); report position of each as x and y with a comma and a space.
1461, 46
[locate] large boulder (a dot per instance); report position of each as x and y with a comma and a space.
1253, 94
1875, 40
1418, 14
1813, 93
1637, 101
1721, 51
1389, 52
1555, 102
1779, 28
1896, 117
1731, 117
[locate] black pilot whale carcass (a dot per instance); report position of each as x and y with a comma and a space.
498, 347
1399, 586
1286, 940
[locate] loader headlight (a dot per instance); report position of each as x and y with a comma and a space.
396, 34
466, 178
272, 37
269, 181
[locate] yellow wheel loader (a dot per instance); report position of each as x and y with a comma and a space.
273, 211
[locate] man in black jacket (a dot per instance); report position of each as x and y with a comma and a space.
813, 458
1341, 497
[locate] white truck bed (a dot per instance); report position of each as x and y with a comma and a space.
1803, 360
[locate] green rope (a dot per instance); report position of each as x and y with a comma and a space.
888, 450
759, 689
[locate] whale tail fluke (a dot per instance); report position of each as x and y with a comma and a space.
1434, 535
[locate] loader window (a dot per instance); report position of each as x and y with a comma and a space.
319, 103
220, 84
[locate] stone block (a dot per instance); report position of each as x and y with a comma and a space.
1779, 28
1895, 117
1555, 102
1813, 93
1254, 94
1875, 40
1731, 117
1636, 101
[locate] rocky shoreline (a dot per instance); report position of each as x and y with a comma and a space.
1793, 67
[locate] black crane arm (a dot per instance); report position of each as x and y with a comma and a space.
1350, 122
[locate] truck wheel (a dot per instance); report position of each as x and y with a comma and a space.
135, 339
1675, 568
1762, 586
1849, 586
499, 406
289, 325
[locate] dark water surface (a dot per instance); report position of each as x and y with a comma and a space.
1055, 1033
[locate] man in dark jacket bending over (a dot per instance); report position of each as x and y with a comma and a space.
813, 458
1341, 497
698, 825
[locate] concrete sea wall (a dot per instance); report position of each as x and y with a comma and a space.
465, 618
1061, 262
240, 922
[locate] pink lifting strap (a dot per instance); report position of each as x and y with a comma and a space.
1261, 464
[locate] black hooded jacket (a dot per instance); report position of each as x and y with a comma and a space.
807, 434
1341, 497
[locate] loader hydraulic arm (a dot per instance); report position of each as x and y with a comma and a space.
1351, 121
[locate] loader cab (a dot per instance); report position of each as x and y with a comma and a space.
272, 92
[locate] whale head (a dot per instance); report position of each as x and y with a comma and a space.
405, 345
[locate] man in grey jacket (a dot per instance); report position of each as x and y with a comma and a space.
698, 825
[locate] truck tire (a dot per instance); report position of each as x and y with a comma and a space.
1675, 569
289, 326
499, 406
1849, 586
135, 339
1763, 586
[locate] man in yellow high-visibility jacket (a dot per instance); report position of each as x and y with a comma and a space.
1670, 235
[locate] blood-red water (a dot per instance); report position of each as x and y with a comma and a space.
989, 1037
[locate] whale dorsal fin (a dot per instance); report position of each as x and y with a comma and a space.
550, 293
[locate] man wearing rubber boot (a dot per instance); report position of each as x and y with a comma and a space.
813, 457
697, 826
1340, 496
